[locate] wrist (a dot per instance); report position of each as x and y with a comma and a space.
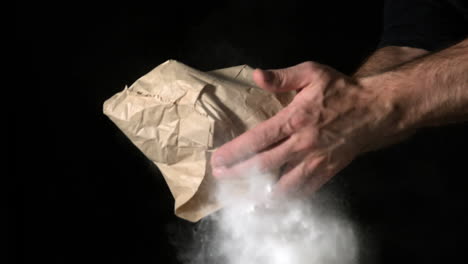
429, 91
392, 109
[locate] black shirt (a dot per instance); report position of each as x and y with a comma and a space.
425, 24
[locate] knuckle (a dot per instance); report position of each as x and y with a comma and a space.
302, 143
319, 74
310, 66
311, 167
306, 170
281, 78
322, 77
296, 120
286, 128
295, 141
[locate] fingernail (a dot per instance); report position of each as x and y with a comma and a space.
218, 161
219, 171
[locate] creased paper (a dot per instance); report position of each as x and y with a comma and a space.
177, 116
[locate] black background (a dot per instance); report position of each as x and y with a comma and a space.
84, 193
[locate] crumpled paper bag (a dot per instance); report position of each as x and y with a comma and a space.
177, 116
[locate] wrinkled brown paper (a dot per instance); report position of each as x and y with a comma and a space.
177, 116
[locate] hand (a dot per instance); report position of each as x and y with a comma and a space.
331, 120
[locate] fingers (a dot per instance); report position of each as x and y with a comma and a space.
253, 141
298, 176
315, 182
287, 79
263, 162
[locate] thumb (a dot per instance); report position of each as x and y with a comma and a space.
283, 80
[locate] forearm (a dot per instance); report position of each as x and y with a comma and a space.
387, 58
427, 91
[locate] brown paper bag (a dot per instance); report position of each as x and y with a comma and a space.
177, 116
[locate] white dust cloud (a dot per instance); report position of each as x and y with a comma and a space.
257, 228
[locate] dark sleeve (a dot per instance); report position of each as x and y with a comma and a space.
425, 24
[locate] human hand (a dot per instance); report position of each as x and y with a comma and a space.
332, 119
